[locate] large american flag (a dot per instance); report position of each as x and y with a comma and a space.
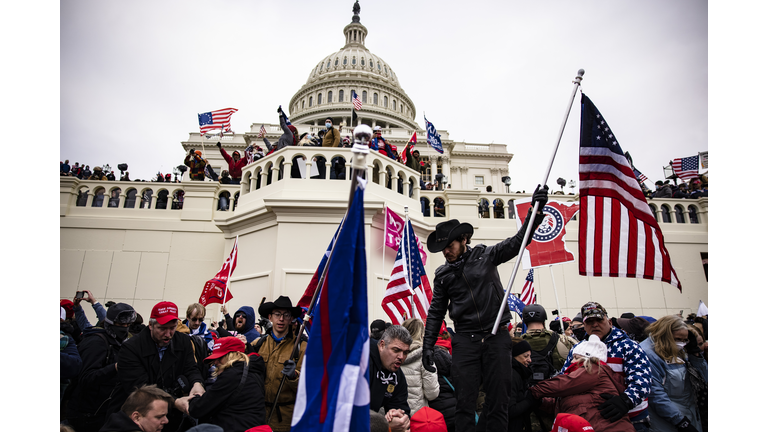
686, 168
528, 296
219, 119
618, 235
398, 296
356, 101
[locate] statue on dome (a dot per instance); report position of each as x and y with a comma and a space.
356, 10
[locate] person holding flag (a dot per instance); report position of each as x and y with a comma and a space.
412, 157
469, 287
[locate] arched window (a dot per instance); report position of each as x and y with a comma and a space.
345, 61
237, 197
82, 197
114, 197
162, 200
394, 104
177, 202
379, 65
341, 95
223, 201
401, 108
511, 209
354, 60
665, 216
386, 71
693, 214
498, 208
328, 66
483, 208
319, 98
98, 198
336, 63
365, 96
424, 206
679, 214
654, 210
310, 101
439, 207
375, 98
130, 199
302, 104
386, 102
330, 96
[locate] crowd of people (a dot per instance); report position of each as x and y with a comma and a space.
84, 172
694, 188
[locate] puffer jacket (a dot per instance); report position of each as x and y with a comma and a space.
422, 384
470, 289
579, 392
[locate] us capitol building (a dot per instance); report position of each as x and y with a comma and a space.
139, 243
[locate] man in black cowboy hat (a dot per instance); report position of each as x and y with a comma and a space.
276, 348
469, 287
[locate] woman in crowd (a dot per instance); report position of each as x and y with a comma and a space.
423, 385
235, 401
581, 387
679, 376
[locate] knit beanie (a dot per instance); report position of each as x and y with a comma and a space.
520, 347
592, 347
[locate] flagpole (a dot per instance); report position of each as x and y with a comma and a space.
384, 246
407, 238
527, 235
557, 300
362, 134
226, 287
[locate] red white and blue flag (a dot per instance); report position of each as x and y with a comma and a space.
618, 235
407, 297
640, 176
214, 289
358, 104
686, 168
548, 245
219, 119
528, 296
333, 392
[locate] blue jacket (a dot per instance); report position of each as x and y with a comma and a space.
82, 320
202, 331
672, 397
626, 357
250, 322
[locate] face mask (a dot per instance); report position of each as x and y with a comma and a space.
328, 125
121, 333
580, 333
680, 345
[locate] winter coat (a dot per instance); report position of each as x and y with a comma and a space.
196, 166
672, 397
70, 362
235, 168
423, 385
285, 140
471, 290
380, 379
224, 405
663, 192
626, 358
250, 322
445, 402
579, 392
411, 161
275, 354
332, 138
120, 422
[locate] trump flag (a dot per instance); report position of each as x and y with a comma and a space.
548, 245
333, 390
213, 291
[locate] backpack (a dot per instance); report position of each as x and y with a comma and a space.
541, 361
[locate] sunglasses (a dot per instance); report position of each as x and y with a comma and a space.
196, 319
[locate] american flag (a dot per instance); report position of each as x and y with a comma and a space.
528, 296
262, 131
219, 119
356, 101
639, 176
686, 168
398, 296
618, 235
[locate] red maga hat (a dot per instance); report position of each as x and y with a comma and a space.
164, 312
226, 345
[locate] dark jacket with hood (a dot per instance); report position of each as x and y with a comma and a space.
470, 288
98, 376
235, 168
445, 402
250, 323
380, 379
120, 422
224, 405
520, 408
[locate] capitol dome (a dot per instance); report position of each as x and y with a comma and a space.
328, 90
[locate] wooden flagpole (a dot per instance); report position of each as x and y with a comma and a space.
527, 235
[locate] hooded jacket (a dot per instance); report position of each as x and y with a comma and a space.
423, 385
626, 358
235, 168
250, 322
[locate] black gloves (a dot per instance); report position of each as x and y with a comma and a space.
280, 109
289, 369
615, 407
686, 426
540, 196
191, 151
692, 347
218, 144
427, 359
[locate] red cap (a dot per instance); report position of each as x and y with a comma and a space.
69, 307
571, 423
226, 345
263, 428
164, 312
428, 420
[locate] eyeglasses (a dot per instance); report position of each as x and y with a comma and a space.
196, 319
286, 315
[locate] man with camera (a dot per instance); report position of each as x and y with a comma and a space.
159, 355
80, 317
196, 164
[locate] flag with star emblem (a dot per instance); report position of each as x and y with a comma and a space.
639, 176
402, 290
618, 235
686, 168
356, 101
219, 119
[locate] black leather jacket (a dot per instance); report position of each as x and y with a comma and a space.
472, 292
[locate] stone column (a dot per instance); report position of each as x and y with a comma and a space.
433, 164
465, 184
446, 167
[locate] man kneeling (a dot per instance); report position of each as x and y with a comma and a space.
146, 409
389, 390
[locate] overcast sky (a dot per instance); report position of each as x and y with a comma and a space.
134, 75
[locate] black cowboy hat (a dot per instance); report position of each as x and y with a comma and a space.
445, 233
282, 302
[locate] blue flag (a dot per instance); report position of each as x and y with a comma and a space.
516, 305
374, 145
333, 392
433, 138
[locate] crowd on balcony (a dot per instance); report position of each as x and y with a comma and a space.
695, 188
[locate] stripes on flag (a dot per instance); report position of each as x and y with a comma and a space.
686, 168
263, 131
639, 176
528, 296
219, 119
356, 101
618, 235
398, 297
